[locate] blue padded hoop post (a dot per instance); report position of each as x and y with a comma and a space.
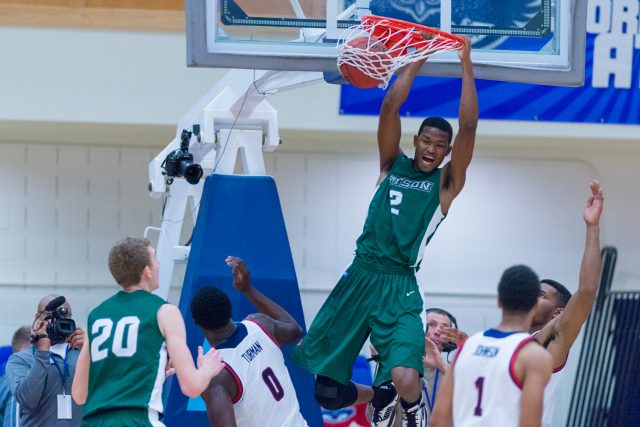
240, 216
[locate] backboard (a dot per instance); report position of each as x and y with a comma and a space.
533, 41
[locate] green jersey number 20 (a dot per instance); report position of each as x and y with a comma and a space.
125, 337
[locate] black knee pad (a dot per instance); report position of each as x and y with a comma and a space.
330, 394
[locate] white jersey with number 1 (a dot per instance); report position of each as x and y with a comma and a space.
266, 396
485, 390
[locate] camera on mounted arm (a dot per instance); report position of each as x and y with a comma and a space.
179, 163
59, 325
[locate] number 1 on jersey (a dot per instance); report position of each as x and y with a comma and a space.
479, 385
395, 198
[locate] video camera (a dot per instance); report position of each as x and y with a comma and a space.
60, 326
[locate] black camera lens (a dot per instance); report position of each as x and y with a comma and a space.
179, 163
191, 172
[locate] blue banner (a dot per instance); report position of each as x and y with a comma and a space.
611, 93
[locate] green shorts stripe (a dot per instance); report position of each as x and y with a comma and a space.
366, 302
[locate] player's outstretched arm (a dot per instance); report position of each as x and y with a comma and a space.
80, 386
443, 410
192, 380
274, 318
389, 128
566, 326
535, 365
455, 172
218, 400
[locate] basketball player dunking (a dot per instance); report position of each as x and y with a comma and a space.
378, 294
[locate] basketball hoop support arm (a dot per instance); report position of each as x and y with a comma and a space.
234, 118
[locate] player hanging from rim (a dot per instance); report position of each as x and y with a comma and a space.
498, 375
378, 294
255, 388
560, 316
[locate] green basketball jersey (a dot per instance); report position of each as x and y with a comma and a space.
403, 216
128, 354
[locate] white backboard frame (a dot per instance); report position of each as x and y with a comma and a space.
561, 70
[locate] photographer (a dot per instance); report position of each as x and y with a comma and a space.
40, 377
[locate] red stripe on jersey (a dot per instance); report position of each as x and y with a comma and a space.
559, 368
235, 376
512, 362
264, 330
458, 351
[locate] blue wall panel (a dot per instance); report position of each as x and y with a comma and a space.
241, 216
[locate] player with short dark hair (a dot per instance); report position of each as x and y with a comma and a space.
378, 295
254, 389
121, 369
498, 376
560, 315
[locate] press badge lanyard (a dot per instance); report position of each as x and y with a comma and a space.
64, 372
430, 402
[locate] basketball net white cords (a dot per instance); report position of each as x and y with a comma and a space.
379, 46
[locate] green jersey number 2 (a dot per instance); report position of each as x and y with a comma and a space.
122, 346
395, 198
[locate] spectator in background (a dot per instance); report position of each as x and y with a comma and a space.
441, 336
40, 377
8, 405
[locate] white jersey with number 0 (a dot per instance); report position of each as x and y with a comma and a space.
486, 391
266, 396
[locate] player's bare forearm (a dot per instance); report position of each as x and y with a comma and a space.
570, 321
269, 307
219, 406
468, 110
389, 127
443, 410
193, 380
80, 386
455, 172
462, 150
399, 91
537, 365
591, 262
277, 320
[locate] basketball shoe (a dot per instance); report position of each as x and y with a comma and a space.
415, 416
385, 399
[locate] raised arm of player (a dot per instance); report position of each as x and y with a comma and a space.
80, 386
455, 172
389, 128
193, 380
566, 326
278, 322
218, 400
533, 368
442, 415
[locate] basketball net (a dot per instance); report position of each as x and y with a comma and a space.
404, 42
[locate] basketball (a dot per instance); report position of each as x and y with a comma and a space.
373, 54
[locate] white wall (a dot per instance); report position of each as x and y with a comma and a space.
74, 152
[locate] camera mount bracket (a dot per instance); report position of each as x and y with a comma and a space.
233, 118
